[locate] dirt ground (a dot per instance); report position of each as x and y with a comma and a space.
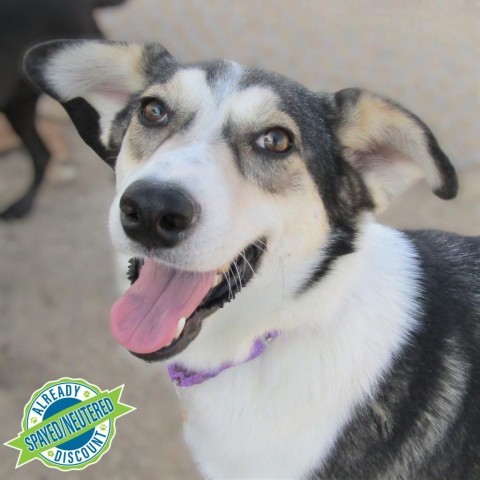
57, 273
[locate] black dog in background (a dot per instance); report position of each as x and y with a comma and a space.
22, 24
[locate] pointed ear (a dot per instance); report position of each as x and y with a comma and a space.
94, 80
389, 146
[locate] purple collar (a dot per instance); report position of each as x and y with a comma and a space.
183, 377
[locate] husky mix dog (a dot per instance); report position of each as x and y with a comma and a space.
308, 341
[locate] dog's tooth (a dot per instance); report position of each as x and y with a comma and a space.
224, 269
180, 327
218, 279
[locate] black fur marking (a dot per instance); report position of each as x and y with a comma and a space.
120, 124
423, 422
341, 242
216, 70
449, 187
340, 187
346, 197
157, 63
87, 122
227, 134
36, 59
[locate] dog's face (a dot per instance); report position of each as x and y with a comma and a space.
226, 150
236, 188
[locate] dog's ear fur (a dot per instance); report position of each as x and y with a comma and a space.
93, 80
389, 146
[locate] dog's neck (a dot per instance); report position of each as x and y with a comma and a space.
185, 377
334, 359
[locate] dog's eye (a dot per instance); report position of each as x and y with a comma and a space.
275, 140
153, 112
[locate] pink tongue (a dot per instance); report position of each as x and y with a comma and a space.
145, 318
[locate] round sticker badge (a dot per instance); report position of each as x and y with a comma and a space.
69, 424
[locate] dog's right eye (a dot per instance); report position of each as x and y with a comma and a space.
153, 112
275, 140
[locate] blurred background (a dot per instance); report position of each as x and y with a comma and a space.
57, 270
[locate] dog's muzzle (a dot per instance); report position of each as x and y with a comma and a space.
163, 311
157, 216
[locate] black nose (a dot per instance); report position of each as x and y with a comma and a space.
156, 216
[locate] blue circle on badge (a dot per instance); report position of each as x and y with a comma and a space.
60, 405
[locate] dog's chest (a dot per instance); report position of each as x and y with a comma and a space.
256, 422
279, 415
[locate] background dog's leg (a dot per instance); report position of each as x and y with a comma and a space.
21, 114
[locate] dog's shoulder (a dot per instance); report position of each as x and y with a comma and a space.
449, 290
446, 245
424, 412
450, 265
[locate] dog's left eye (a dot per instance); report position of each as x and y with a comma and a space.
275, 140
153, 112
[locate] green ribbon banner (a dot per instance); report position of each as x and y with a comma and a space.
67, 424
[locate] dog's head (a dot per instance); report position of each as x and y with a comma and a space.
236, 188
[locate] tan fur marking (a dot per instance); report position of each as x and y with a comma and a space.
387, 146
369, 123
258, 106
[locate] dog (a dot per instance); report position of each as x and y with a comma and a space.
306, 340
22, 24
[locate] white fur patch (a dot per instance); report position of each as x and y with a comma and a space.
81, 68
87, 70
278, 416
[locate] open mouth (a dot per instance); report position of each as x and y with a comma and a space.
163, 310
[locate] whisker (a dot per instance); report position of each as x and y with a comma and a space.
230, 272
261, 245
227, 279
234, 277
243, 275
248, 263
